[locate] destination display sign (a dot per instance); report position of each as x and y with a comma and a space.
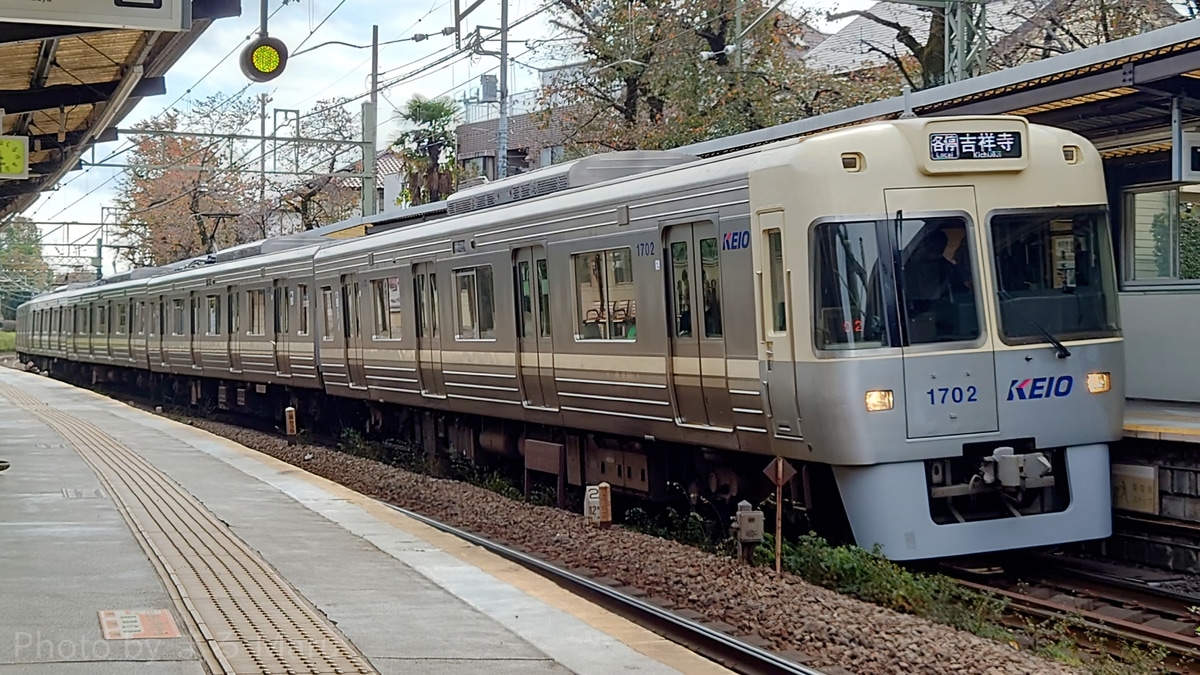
959, 145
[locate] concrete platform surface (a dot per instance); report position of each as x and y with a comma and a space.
1162, 421
397, 595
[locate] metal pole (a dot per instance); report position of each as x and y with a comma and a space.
368, 185
262, 18
1176, 139
262, 160
502, 126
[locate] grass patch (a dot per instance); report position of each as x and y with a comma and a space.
8, 342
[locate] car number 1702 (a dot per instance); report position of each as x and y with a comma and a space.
945, 395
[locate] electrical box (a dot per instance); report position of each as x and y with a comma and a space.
748, 524
489, 90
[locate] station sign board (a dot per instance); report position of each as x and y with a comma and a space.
165, 15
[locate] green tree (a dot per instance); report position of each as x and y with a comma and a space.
644, 83
23, 271
427, 148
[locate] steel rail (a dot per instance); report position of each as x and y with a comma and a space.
724, 649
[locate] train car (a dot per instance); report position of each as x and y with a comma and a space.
920, 313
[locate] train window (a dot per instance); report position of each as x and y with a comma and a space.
122, 318
386, 294
848, 303
283, 315
778, 298
139, 317
177, 316
524, 286
710, 286
257, 301
305, 307
681, 288
936, 263
543, 282
1054, 274
433, 304
214, 315
605, 301
328, 313
101, 319
194, 326
475, 303
234, 310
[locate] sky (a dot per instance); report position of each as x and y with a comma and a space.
211, 67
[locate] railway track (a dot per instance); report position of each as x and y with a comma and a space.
1104, 610
717, 645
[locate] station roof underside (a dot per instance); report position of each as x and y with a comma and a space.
1118, 95
57, 82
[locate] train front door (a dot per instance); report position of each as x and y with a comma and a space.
429, 342
535, 356
778, 348
697, 362
949, 363
352, 332
282, 299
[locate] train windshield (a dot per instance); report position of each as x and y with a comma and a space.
938, 285
1054, 273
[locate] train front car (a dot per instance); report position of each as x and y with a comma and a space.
963, 368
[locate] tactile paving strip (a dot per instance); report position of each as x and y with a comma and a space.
243, 616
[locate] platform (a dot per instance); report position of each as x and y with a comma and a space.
132, 543
1162, 421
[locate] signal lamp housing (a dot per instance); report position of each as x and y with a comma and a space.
264, 59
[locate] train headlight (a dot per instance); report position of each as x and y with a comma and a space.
1098, 383
879, 399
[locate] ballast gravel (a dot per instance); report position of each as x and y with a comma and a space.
786, 613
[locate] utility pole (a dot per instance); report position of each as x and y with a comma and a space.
368, 115
262, 159
502, 124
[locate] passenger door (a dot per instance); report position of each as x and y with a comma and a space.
697, 340
429, 343
352, 332
535, 350
949, 364
281, 326
778, 332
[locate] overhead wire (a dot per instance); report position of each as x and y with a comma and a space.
128, 145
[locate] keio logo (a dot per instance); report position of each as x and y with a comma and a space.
1040, 387
731, 241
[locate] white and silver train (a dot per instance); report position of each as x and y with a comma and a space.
921, 314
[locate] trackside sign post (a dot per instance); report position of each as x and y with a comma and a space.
167, 15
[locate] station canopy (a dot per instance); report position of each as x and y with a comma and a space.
69, 72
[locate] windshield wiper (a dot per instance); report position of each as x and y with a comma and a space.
1059, 347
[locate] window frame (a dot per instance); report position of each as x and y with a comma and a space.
305, 306
329, 313
382, 328
257, 326
580, 312
459, 273
1023, 341
1127, 260
213, 306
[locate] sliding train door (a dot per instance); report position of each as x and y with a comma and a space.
535, 349
429, 343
